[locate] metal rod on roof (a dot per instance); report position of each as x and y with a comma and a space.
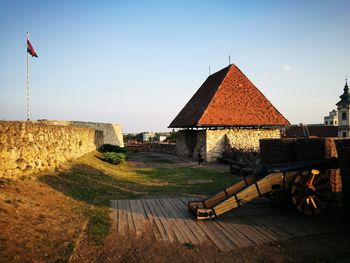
229, 60
209, 71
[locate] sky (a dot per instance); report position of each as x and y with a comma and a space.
137, 63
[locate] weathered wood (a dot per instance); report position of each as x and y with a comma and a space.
189, 236
152, 220
136, 217
122, 222
236, 231
162, 218
157, 220
172, 222
249, 231
255, 223
190, 223
269, 228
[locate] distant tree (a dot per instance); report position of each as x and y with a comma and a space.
172, 136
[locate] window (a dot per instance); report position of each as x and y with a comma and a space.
326, 122
331, 122
335, 122
343, 116
344, 134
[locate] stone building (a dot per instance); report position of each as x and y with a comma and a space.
343, 113
331, 119
226, 112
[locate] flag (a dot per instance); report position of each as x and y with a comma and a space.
30, 49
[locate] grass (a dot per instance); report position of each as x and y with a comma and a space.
94, 183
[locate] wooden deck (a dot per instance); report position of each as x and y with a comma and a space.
255, 223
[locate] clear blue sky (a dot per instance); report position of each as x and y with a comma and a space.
137, 63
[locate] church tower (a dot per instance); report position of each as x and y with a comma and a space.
343, 113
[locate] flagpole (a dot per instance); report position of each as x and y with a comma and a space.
28, 83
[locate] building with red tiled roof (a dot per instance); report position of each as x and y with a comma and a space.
227, 111
228, 99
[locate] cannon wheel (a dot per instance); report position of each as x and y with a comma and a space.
311, 192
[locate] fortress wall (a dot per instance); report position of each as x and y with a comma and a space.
112, 133
31, 147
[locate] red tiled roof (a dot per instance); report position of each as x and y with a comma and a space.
228, 98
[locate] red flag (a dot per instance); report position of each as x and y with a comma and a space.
30, 49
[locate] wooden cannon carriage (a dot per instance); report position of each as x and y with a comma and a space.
305, 182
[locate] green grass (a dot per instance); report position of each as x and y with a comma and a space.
99, 224
157, 159
94, 183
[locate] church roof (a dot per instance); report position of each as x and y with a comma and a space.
228, 98
345, 97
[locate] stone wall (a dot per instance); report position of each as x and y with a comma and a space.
168, 148
188, 142
27, 147
212, 143
112, 133
240, 139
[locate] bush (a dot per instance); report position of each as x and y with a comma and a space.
113, 157
112, 148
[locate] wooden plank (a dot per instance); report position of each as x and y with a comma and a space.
270, 228
286, 226
262, 229
236, 240
152, 221
156, 213
180, 222
266, 210
172, 222
208, 231
250, 232
307, 223
188, 227
157, 220
131, 227
222, 234
114, 214
234, 229
136, 217
189, 221
143, 215
122, 220
212, 235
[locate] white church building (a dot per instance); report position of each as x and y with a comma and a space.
340, 117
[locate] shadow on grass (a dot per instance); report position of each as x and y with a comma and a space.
96, 187
90, 185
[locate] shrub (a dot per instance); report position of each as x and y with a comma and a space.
112, 148
113, 157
